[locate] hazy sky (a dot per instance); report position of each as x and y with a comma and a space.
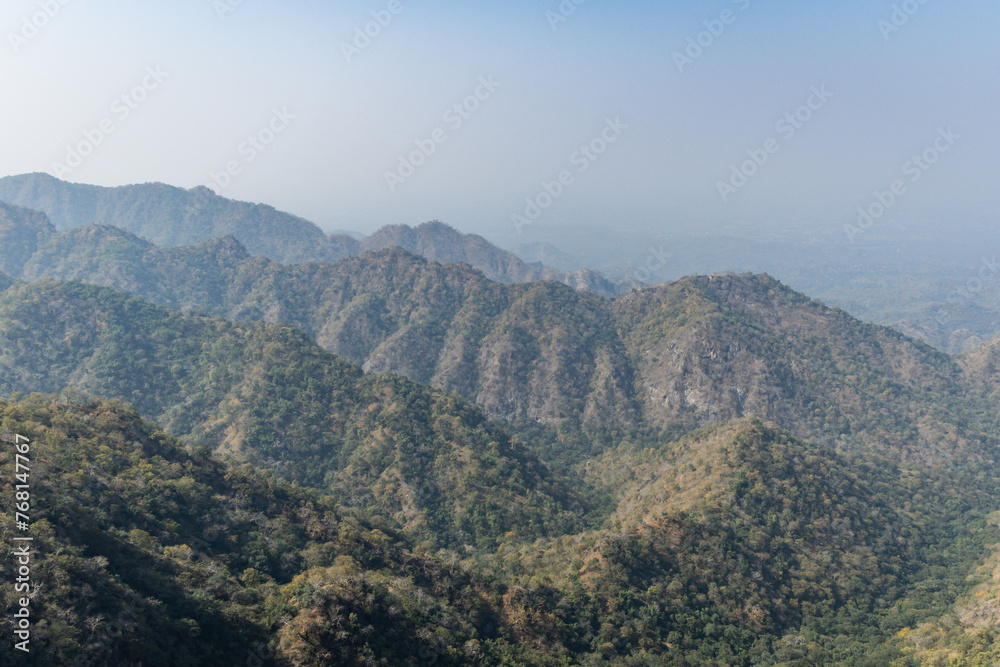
338, 118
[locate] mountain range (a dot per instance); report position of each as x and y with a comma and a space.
390, 457
689, 353
170, 216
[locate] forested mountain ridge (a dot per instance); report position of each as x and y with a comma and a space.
965, 634
21, 233
266, 395
170, 216
440, 243
755, 543
712, 348
447, 326
734, 542
688, 353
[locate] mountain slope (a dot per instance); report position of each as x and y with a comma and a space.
740, 544
150, 553
266, 395
447, 326
713, 348
967, 633
689, 353
145, 553
981, 366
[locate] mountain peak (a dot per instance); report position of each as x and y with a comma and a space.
100, 230
438, 226
227, 245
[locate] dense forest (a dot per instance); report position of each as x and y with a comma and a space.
759, 549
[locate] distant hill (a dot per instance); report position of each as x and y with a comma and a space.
439, 242
966, 325
447, 326
547, 255
170, 216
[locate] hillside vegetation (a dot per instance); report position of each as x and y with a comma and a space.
266, 395
786, 555
147, 553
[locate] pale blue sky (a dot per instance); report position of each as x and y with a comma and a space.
557, 87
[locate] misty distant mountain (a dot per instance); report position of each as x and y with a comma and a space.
169, 216
548, 255
439, 242
390, 310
